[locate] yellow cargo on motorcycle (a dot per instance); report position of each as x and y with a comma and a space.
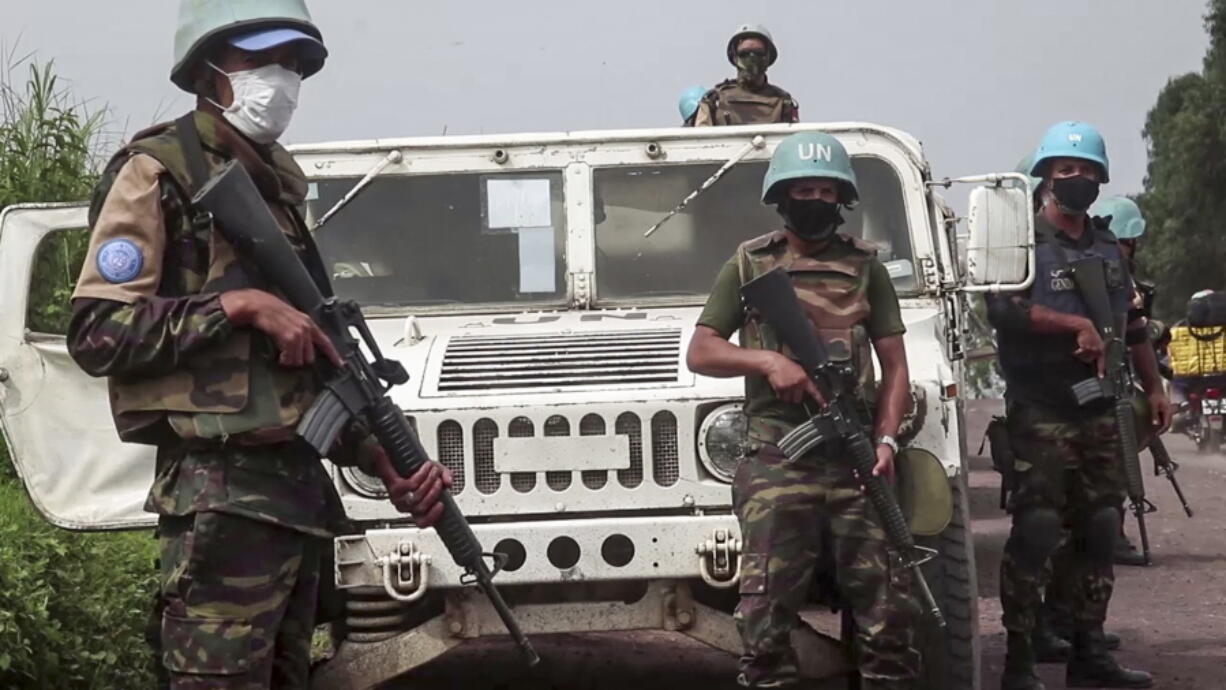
1198, 351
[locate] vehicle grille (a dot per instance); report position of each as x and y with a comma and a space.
606, 358
665, 457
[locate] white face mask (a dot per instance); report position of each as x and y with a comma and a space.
264, 101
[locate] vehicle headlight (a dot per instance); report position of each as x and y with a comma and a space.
365, 484
721, 440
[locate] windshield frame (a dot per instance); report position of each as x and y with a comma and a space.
578, 153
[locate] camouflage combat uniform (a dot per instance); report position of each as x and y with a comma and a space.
734, 103
243, 507
782, 505
1067, 457
1068, 462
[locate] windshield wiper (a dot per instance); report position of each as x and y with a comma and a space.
392, 157
758, 142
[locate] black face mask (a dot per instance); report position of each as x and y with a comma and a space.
812, 220
1076, 193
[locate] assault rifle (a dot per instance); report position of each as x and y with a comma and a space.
1163, 464
1089, 275
358, 388
773, 296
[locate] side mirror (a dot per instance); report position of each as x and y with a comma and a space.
1000, 233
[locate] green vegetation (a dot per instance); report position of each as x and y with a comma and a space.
73, 607
1182, 202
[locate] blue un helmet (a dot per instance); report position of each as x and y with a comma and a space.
688, 103
1072, 139
1126, 220
810, 154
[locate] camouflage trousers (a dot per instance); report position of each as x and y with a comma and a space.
1073, 466
782, 507
237, 602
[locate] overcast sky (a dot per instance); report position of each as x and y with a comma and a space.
976, 81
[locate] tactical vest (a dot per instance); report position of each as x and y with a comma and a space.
234, 390
834, 294
1054, 286
1039, 368
731, 103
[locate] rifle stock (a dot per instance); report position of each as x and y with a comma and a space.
773, 296
359, 387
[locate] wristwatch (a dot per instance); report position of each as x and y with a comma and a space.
885, 440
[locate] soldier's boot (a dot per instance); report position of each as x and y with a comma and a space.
1092, 666
1062, 628
1126, 552
1019, 664
1049, 648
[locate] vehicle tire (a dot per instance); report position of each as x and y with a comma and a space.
1213, 440
951, 656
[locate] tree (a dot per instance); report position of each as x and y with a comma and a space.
1185, 133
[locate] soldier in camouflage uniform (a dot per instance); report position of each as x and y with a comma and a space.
780, 504
749, 98
1068, 470
214, 371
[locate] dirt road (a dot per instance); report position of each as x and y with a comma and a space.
1172, 615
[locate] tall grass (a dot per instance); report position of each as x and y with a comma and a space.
47, 138
72, 606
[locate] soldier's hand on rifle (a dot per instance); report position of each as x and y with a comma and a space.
885, 463
1090, 348
1161, 411
417, 495
296, 335
789, 380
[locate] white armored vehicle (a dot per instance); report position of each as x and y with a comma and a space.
545, 337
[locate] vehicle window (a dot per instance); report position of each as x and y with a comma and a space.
682, 257
57, 265
445, 239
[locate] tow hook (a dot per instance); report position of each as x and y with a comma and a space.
406, 573
719, 559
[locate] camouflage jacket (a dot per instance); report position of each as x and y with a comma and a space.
147, 315
833, 289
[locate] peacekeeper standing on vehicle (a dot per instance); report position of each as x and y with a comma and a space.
848, 295
749, 99
1069, 470
213, 370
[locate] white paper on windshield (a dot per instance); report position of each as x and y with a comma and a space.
537, 269
518, 203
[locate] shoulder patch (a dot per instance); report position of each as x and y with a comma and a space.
120, 260
764, 241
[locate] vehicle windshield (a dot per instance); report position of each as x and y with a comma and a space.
454, 239
681, 258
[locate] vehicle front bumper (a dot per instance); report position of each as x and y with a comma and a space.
408, 561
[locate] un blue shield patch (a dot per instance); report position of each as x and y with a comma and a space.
120, 261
